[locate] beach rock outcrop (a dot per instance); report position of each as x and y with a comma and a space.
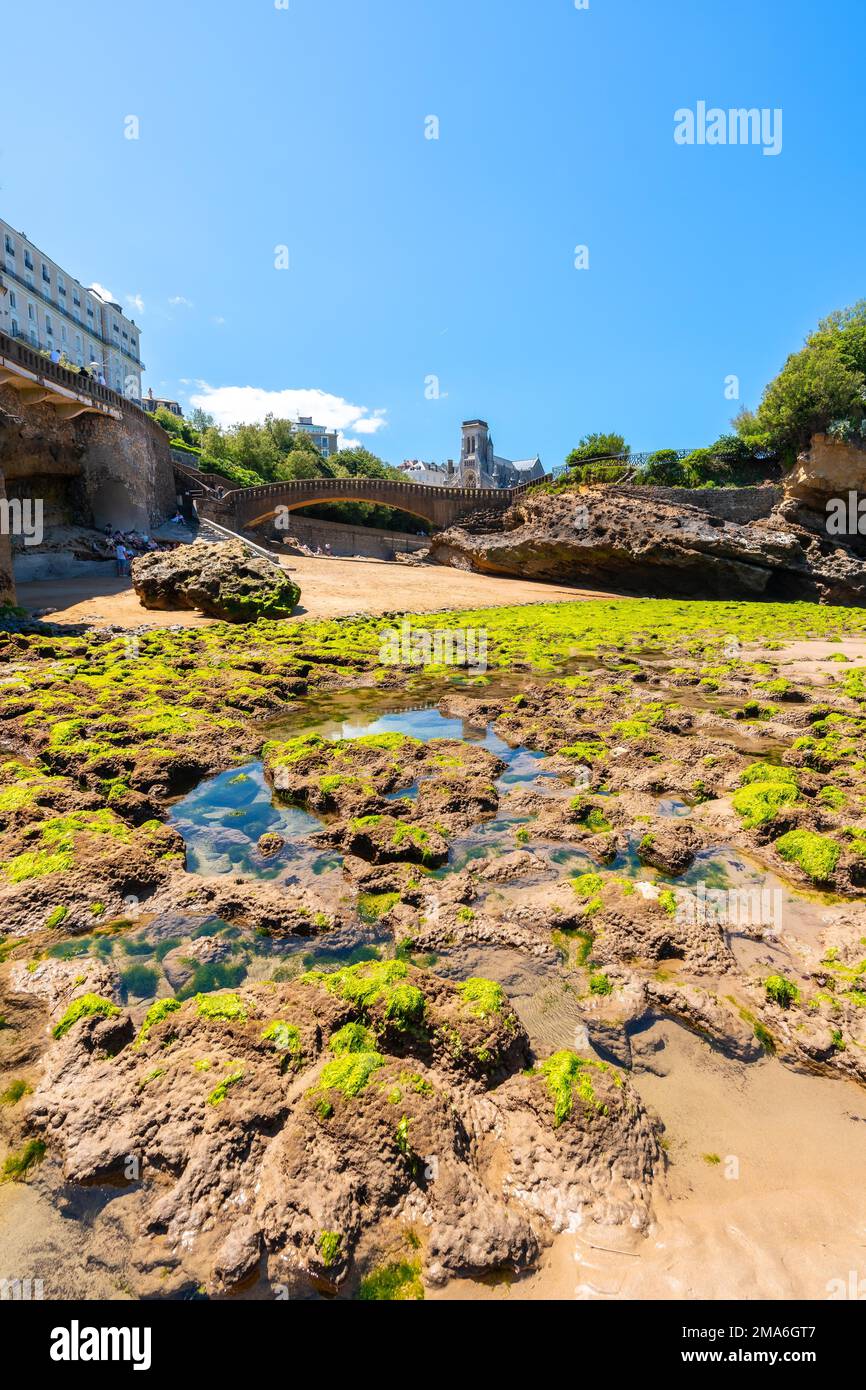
308, 1135
224, 580
638, 545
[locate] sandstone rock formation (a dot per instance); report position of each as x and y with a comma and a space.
223, 580
639, 545
830, 468
310, 1132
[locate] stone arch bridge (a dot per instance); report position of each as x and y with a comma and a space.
248, 507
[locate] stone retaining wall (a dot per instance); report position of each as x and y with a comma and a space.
740, 504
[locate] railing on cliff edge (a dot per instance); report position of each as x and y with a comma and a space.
83, 384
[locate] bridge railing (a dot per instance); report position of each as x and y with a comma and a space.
483, 496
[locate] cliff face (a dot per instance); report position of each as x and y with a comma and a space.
828, 469
7, 583
641, 546
91, 469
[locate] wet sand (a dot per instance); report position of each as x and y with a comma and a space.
790, 1223
330, 588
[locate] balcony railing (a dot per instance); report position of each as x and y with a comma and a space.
19, 351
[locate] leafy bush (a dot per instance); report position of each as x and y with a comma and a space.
598, 446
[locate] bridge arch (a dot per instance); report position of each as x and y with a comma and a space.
439, 507
328, 499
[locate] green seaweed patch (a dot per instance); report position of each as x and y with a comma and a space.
285, 1037
583, 752
588, 888
230, 1008
668, 901
87, 1006
600, 984
349, 1073
221, 1090
781, 991
759, 803
15, 1091
630, 729
329, 1243
397, 1282
352, 1037
816, 855
375, 982
17, 1165
568, 1077
482, 997
373, 906
57, 837
158, 1011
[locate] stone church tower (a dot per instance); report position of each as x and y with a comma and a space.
476, 454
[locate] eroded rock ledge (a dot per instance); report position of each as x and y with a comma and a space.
316, 1131
638, 545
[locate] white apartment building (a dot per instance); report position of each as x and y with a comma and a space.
45, 307
325, 440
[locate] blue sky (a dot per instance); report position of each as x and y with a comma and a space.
413, 258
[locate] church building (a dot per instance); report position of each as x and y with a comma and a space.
481, 466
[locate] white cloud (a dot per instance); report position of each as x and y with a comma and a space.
218, 319
102, 291
136, 302
181, 301
232, 405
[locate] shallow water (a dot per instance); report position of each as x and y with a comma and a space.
708, 1103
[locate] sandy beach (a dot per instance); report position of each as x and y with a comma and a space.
330, 588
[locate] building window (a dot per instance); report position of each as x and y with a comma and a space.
48, 328
13, 303
31, 313
10, 245
46, 274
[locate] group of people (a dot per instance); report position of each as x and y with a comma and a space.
92, 373
125, 545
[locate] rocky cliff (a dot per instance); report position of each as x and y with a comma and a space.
638, 545
90, 470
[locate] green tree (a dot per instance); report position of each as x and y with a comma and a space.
594, 446
823, 383
170, 423
359, 462
200, 420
